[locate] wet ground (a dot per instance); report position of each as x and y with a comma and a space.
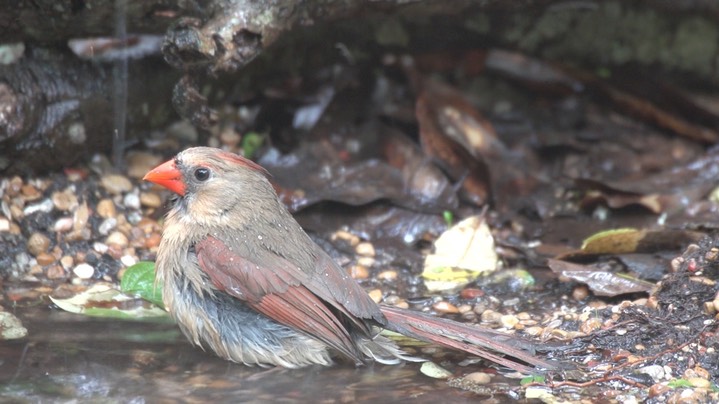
68, 357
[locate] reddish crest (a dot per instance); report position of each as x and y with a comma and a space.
237, 159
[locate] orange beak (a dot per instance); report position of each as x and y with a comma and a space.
167, 175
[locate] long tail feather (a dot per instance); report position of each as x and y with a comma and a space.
471, 339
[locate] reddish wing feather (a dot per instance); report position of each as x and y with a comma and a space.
274, 292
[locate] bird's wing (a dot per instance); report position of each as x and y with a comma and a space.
282, 292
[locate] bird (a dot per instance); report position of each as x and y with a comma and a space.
243, 279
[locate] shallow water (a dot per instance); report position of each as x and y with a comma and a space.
68, 357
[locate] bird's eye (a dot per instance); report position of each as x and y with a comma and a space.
202, 174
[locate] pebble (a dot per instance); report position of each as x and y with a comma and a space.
478, 378
359, 272
106, 209
375, 295
100, 247
699, 382
471, 293
45, 259
55, 272
590, 325
84, 271
491, 316
30, 193
350, 238
107, 225
389, 275
4, 224
366, 261
38, 243
63, 225
150, 200
118, 239
65, 201
656, 372
153, 240
464, 308
230, 138
139, 163
508, 321
365, 249
67, 262
128, 260
445, 307
45, 206
580, 292
116, 184
534, 331
131, 200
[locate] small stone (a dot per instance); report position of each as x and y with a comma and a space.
590, 325
100, 247
580, 292
375, 295
534, 331
139, 163
445, 307
698, 382
150, 200
67, 262
55, 272
153, 240
4, 224
508, 321
402, 304
128, 260
491, 316
346, 236
84, 271
131, 200
65, 201
464, 308
45, 206
116, 184
30, 193
106, 209
63, 225
365, 249
107, 226
45, 259
365, 261
14, 186
659, 389
38, 243
359, 272
229, 137
471, 293
478, 378
656, 372
118, 239
389, 275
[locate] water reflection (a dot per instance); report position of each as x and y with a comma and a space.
69, 357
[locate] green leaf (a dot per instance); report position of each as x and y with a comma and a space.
532, 379
251, 141
679, 383
139, 280
448, 217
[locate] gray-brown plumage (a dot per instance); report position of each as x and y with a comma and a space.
243, 279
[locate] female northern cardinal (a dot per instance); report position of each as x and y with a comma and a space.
242, 278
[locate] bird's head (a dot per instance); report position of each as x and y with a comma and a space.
211, 182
